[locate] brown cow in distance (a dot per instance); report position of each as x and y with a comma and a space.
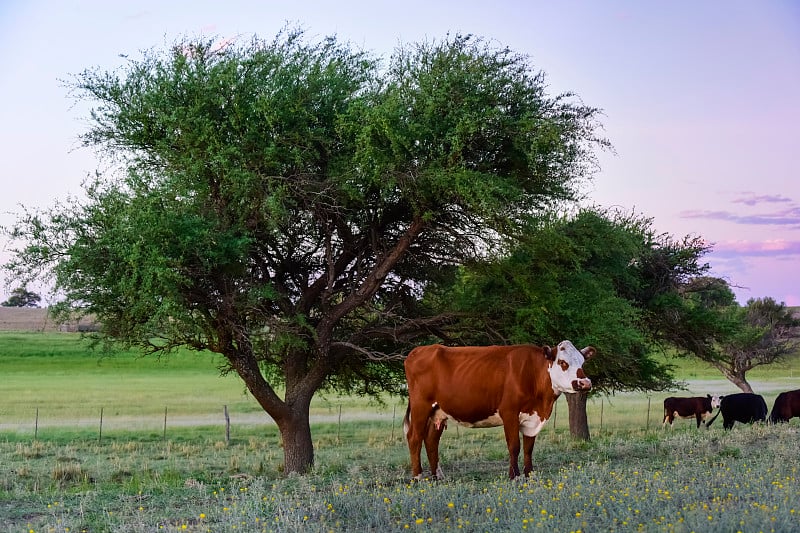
513, 386
786, 406
698, 407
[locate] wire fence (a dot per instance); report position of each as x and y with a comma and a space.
603, 414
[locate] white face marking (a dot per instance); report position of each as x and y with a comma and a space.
716, 401
564, 370
531, 424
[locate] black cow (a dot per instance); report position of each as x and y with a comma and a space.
697, 407
742, 407
787, 405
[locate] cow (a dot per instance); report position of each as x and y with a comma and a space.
742, 407
697, 407
786, 406
510, 386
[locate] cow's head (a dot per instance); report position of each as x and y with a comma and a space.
716, 400
566, 367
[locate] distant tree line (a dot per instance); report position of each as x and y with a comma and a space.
22, 297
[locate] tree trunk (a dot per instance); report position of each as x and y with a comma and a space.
578, 421
291, 415
737, 377
298, 448
742, 383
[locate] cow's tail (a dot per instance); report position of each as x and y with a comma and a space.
407, 421
708, 424
763, 412
776, 415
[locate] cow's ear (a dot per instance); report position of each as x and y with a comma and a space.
588, 352
549, 354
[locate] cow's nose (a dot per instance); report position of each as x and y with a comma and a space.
584, 384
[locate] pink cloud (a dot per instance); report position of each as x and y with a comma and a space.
788, 216
750, 198
784, 217
769, 248
791, 300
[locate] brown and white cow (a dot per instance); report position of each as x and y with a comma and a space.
786, 406
513, 386
698, 407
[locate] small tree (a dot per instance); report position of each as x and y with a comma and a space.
573, 277
22, 297
768, 333
702, 320
284, 203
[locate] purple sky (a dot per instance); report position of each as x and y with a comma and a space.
700, 99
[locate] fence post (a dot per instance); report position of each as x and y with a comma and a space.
227, 425
100, 436
647, 424
555, 415
36, 426
602, 403
165, 423
339, 430
394, 413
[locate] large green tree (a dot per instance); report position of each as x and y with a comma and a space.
284, 202
590, 277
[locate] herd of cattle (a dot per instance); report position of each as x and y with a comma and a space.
744, 407
517, 386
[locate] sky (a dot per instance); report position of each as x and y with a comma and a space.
700, 100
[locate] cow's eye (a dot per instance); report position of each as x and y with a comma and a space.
563, 364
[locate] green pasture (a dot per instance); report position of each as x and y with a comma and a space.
140, 474
68, 381
62, 380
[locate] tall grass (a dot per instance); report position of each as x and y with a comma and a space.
631, 476
680, 480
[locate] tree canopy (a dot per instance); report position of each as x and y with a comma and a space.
592, 277
283, 203
570, 278
760, 333
22, 297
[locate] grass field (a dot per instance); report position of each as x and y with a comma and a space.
144, 475
69, 383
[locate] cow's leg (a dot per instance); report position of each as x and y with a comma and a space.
432, 435
527, 454
417, 423
699, 417
511, 429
